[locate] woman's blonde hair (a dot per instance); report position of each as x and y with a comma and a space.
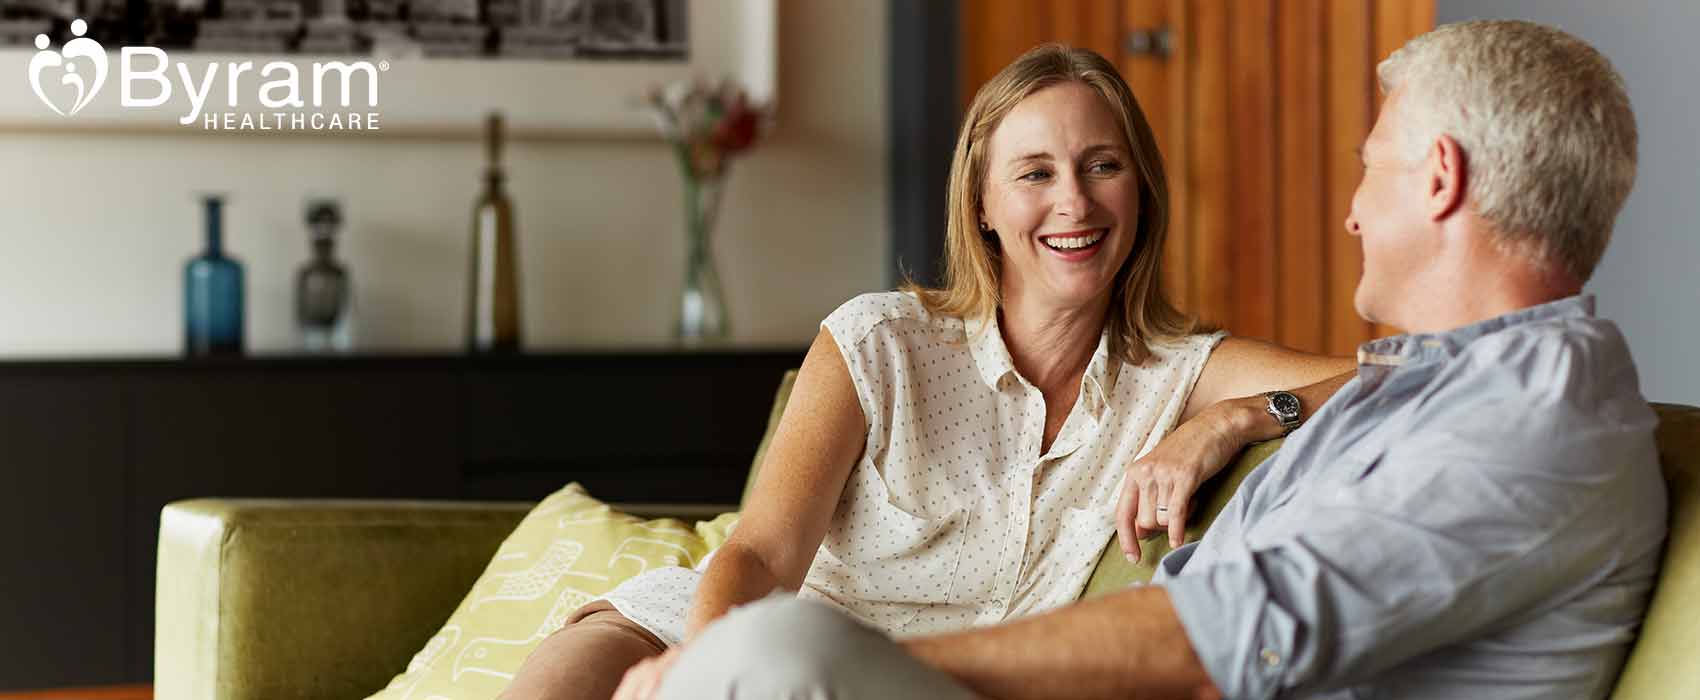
1139, 312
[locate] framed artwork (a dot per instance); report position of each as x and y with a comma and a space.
554, 68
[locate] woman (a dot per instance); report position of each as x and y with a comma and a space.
955, 457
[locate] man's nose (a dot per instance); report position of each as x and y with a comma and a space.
1352, 225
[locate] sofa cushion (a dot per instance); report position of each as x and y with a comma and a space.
1115, 572
568, 550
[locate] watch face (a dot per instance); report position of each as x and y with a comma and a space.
1285, 404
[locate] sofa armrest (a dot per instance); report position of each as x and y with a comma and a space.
272, 599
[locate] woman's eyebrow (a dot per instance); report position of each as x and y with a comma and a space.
1047, 157
1102, 147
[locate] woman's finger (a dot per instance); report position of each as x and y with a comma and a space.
1160, 512
1126, 509
628, 683
1180, 499
1147, 520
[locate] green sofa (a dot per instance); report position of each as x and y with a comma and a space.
330, 599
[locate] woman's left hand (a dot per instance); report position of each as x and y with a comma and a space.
641, 681
1157, 492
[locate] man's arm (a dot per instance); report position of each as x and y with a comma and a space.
1128, 644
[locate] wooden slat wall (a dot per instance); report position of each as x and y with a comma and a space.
1255, 252
1299, 267
1259, 113
1347, 34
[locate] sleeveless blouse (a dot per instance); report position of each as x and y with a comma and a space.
953, 516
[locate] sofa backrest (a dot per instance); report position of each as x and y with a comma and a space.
1663, 663
780, 397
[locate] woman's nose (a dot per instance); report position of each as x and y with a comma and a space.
1072, 199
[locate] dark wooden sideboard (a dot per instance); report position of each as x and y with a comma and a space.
92, 449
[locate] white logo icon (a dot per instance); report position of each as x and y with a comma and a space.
80, 47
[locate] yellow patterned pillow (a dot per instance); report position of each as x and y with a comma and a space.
568, 550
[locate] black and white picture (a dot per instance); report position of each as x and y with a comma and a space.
573, 30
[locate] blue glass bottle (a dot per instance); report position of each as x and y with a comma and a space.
212, 294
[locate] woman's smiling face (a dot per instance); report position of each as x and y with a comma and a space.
1062, 194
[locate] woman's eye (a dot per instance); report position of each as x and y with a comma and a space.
1106, 167
1034, 176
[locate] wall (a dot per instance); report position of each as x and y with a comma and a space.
1647, 282
95, 228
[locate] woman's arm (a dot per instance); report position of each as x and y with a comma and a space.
1240, 368
1224, 414
820, 437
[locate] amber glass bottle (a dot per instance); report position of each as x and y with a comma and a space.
492, 311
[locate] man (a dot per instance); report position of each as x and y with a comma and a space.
1479, 513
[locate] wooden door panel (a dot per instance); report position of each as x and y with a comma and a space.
1253, 254
1210, 169
1301, 271
1349, 90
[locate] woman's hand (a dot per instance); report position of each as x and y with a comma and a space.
641, 681
1157, 493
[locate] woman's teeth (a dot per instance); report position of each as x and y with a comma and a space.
1075, 242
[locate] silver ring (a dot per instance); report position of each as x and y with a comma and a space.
1162, 509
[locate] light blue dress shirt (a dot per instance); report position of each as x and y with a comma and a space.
1478, 514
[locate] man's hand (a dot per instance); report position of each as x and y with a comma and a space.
1157, 493
641, 681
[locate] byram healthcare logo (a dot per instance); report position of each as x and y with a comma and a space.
281, 92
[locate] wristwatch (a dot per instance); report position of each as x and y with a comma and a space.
1284, 407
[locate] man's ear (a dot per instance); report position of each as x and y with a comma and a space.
1448, 178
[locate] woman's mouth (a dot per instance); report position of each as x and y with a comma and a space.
1075, 245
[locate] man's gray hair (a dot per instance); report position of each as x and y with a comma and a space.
1543, 121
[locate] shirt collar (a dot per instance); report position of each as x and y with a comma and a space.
991, 358
1427, 347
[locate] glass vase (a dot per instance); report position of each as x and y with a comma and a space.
212, 293
702, 305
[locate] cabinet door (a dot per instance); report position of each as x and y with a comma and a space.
62, 586
661, 429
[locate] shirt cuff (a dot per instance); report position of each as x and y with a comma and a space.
1244, 640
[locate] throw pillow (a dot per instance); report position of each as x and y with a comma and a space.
567, 551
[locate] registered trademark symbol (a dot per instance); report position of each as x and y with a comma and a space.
383, 65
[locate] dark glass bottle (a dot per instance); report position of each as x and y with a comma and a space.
492, 311
212, 294
322, 288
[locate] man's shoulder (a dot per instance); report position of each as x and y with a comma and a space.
1571, 363
1556, 396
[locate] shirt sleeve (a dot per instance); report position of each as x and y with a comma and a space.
1449, 533
872, 354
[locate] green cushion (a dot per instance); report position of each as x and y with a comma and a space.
1663, 662
1115, 572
